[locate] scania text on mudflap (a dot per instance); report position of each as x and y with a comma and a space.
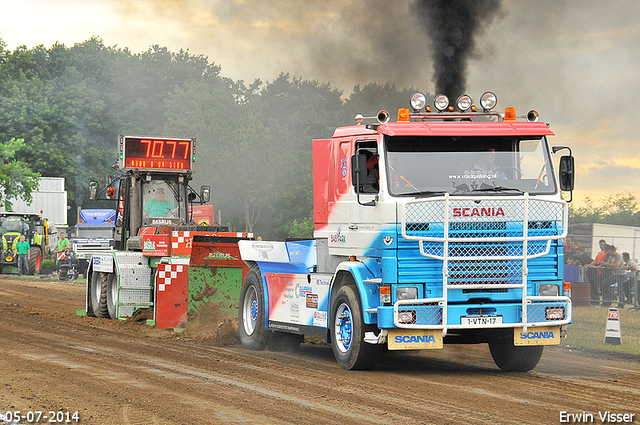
443, 227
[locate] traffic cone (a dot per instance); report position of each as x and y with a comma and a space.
613, 335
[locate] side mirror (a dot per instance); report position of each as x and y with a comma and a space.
566, 173
205, 194
358, 171
93, 190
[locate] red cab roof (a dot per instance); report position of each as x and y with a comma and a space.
450, 128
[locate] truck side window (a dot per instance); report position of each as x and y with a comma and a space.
371, 183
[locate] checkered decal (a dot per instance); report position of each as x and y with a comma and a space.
181, 240
165, 276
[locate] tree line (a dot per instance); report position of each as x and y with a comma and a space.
64, 106
622, 208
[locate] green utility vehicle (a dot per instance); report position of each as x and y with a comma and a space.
35, 229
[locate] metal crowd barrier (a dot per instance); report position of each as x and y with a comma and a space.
612, 285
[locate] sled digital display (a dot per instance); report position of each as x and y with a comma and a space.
153, 153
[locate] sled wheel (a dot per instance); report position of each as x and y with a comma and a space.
511, 358
347, 332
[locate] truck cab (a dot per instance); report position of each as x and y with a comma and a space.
94, 231
442, 227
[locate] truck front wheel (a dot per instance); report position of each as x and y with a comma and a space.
511, 358
347, 332
251, 313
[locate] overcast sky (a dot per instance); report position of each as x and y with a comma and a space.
576, 62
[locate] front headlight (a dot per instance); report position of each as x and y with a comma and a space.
406, 293
554, 313
549, 290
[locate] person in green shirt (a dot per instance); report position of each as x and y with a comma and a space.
158, 207
22, 250
62, 247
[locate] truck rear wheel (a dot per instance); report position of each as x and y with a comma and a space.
347, 332
112, 295
35, 260
511, 358
98, 295
251, 313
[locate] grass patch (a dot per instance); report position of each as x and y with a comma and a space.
589, 326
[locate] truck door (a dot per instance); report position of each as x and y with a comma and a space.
364, 222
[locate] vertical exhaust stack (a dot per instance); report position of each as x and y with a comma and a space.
452, 27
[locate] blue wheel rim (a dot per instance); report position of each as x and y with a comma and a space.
250, 311
343, 328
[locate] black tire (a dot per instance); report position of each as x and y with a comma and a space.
251, 314
98, 295
511, 358
347, 332
35, 259
112, 295
63, 272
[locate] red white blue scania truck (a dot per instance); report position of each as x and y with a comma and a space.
442, 227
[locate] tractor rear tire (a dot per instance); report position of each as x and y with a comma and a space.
98, 295
35, 260
112, 295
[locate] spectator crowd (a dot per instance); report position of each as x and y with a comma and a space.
621, 268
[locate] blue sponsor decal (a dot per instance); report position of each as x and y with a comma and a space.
537, 335
414, 339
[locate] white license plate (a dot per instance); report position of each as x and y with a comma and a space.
481, 320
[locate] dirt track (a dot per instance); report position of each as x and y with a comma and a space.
130, 373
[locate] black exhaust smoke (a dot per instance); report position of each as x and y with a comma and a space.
452, 27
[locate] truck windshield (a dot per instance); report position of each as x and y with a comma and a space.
468, 165
14, 224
